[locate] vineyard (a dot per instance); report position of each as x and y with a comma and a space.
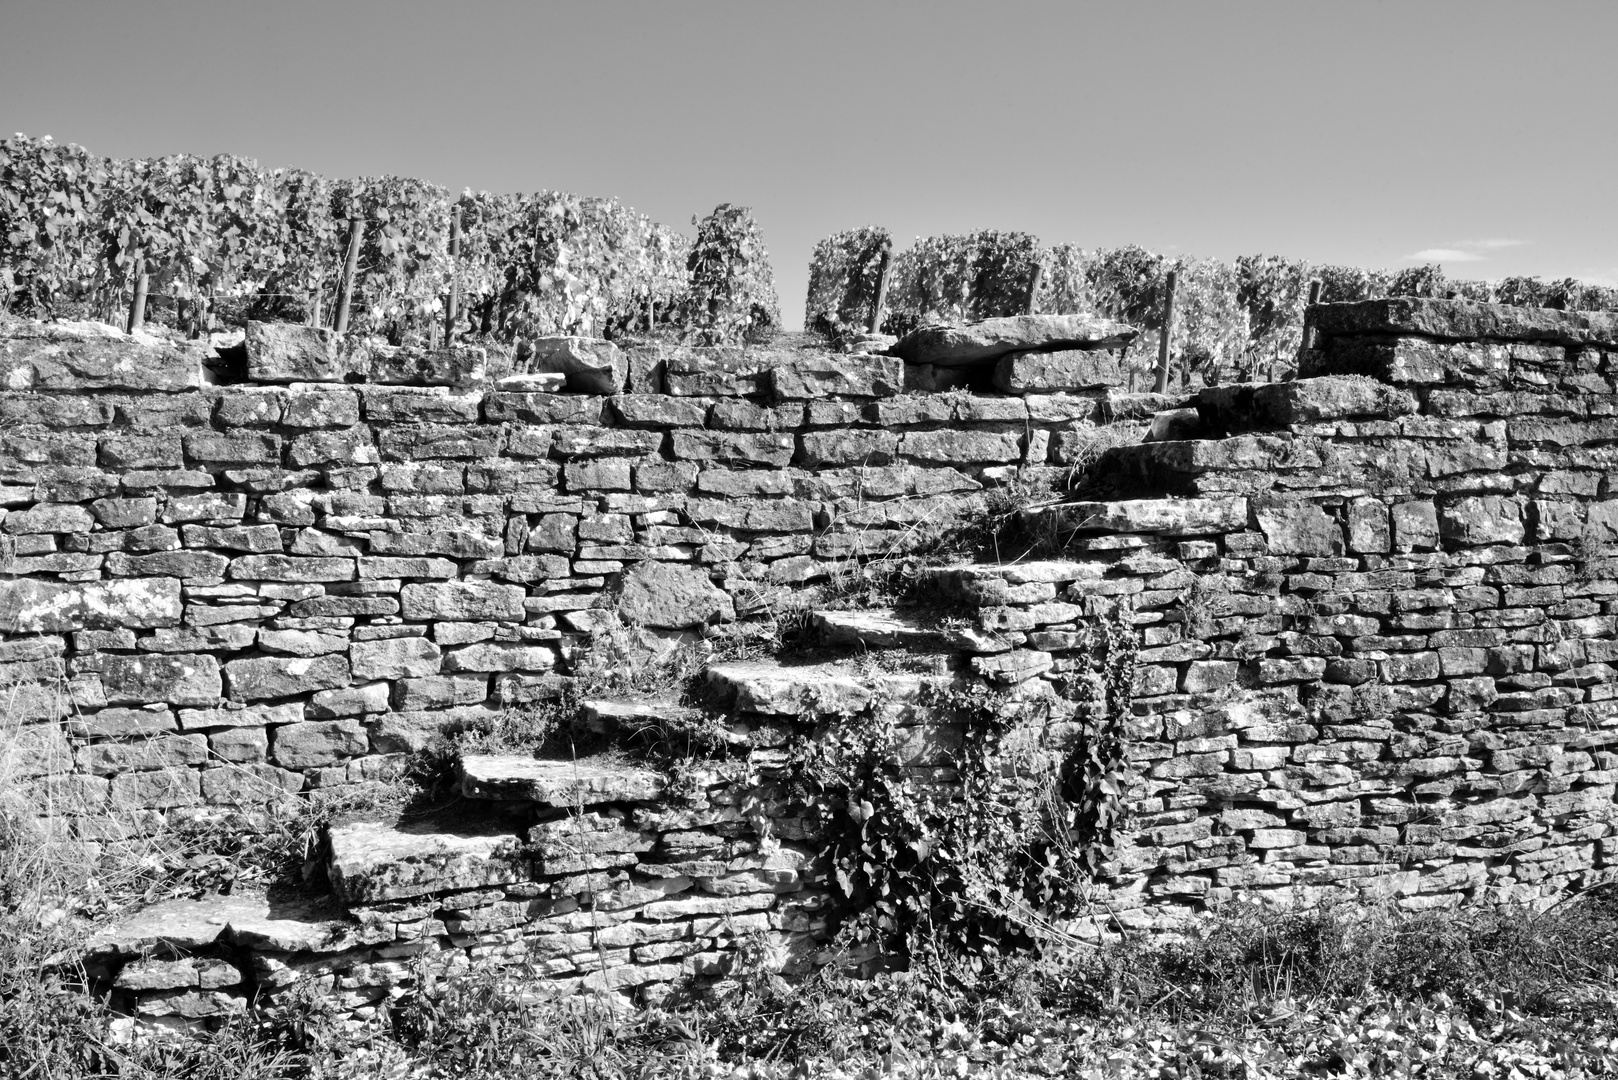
1233, 321
200, 243
212, 241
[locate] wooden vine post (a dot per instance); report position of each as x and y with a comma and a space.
137, 305
1033, 289
1162, 384
454, 300
1308, 342
881, 291
351, 264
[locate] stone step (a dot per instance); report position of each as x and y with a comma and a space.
778, 689
1175, 518
993, 584
629, 717
1244, 464
883, 628
585, 782
374, 861
292, 923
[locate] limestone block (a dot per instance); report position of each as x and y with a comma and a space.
1482, 519
1415, 526
284, 676
287, 352
840, 375
755, 448
349, 701
850, 446
955, 447
952, 346
537, 408
94, 356
584, 782
462, 600
371, 861
671, 596
465, 365
491, 657
29, 606
1298, 528
175, 678
313, 743
396, 658
1051, 372
160, 752
1464, 320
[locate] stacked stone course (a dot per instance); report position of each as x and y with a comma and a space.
1376, 610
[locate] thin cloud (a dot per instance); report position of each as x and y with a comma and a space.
1444, 255
1464, 251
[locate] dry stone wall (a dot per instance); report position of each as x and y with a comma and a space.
1375, 607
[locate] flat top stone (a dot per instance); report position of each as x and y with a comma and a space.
991, 338
1170, 517
1464, 320
373, 860
557, 783
176, 924
1026, 573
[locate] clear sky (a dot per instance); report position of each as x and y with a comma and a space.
1477, 133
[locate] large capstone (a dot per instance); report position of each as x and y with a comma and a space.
952, 346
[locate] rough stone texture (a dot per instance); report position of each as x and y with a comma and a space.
557, 783
285, 352
952, 346
1350, 597
94, 356
1050, 372
671, 597
372, 861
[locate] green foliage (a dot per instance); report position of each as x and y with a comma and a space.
732, 288
979, 275
50, 206
76, 230
844, 274
972, 867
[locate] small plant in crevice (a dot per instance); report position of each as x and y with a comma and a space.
951, 867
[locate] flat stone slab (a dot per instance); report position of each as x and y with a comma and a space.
806, 689
557, 783
1464, 320
95, 356
172, 925
952, 346
881, 630
1164, 517
372, 861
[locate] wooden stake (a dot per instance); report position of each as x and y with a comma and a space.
1308, 339
1033, 289
1162, 384
350, 267
881, 292
137, 306
454, 279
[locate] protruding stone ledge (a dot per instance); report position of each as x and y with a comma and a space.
371, 861
510, 777
989, 339
1164, 517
